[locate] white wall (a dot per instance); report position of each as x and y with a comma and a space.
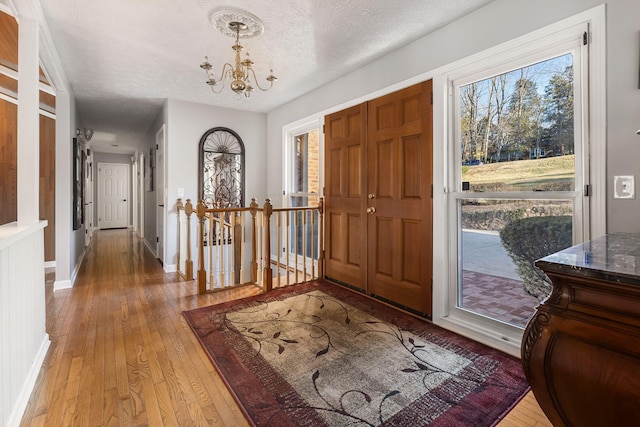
149, 197
623, 110
65, 122
186, 123
498, 22
77, 236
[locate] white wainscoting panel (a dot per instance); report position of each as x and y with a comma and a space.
23, 340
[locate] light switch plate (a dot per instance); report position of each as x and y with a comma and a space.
180, 192
624, 187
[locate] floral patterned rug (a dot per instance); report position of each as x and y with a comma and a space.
318, 354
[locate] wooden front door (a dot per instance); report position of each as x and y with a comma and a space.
345, 196
378, 197
399, 179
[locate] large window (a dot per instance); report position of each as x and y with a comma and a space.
518, 193
303, 185
519, 177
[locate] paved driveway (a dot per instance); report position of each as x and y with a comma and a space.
483, 252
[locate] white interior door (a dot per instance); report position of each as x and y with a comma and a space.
160, 211
113, 195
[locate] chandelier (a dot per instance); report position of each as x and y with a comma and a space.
241, 76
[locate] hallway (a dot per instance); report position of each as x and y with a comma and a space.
121, 353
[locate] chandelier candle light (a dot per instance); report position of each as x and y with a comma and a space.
242, 76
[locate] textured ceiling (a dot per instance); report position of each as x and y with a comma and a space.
123, 58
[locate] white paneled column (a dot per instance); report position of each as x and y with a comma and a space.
28, 122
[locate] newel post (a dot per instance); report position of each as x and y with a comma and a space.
321, 238
202, 274
179, 207
267, 274
188, 263
254, 247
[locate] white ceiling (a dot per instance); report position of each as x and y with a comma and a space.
124, 58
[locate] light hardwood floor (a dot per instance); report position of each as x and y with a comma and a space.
121, 353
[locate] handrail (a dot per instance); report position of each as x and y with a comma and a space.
224, 253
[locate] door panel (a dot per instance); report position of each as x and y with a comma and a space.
399, 177
346, 244
354, 242
113, 195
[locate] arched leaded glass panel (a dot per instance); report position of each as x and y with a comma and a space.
221, 178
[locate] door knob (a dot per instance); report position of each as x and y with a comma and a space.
371, 210
371, 196
124, 200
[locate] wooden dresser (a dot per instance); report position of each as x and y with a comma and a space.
581, 349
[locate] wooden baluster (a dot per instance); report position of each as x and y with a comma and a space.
259, 245
296, 223
267, 273
254, 248
179, 207
231, 230
278, 245
241, 245
313, 241
202, 274
287, 247
211, 248
304, 244
188, 263
220, 242
321, 238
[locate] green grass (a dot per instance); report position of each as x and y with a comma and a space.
523, 172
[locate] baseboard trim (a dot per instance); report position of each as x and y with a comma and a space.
62, 284
74, 274
170, 268
148, 246
30, 381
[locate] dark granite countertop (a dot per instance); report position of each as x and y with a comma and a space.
614, 257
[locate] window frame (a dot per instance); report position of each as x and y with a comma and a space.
289, 134
446, 176
289, 159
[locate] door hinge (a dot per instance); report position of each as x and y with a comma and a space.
585, 38
322, 128
157, 239
431, 98
587, 190
157, 146
432, 191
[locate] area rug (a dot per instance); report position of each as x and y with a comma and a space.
318, 354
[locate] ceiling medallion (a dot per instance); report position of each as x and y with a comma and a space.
222, 20
241, 75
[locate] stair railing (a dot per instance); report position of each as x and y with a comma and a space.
277, 246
